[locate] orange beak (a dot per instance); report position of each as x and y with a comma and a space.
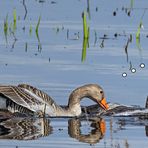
103, 104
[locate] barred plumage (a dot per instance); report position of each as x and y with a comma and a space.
38, 92
30, 100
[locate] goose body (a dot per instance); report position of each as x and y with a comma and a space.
30, 100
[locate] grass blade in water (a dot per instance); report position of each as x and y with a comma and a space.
138, 36
14, 19
85, 36
85, 45
85, 26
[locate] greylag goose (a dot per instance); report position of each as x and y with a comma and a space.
30, 100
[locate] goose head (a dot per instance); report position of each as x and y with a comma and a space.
91, 91
96, 93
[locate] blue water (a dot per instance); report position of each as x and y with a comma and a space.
58, 69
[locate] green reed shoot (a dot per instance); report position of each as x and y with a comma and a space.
139, 29
14, 19
85, 26
6, 28
85, 36
138, 35
85, 45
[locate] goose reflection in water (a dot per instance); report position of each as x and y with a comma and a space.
32, 128
24, 128
98, 130
17, 128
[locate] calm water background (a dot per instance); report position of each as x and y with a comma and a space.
57, 68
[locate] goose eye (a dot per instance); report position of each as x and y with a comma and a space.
101, 92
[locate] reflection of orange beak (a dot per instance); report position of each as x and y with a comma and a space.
102, 127
103, 104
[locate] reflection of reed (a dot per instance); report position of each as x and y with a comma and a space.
88, 8
24, 128
37, 34
24, 4
85, 45
93, 136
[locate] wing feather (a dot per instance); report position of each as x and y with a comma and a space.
42, 96
17, 96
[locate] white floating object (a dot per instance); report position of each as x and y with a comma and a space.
124, 74
133, 70
142, 65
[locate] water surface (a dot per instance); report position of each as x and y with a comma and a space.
57, 69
